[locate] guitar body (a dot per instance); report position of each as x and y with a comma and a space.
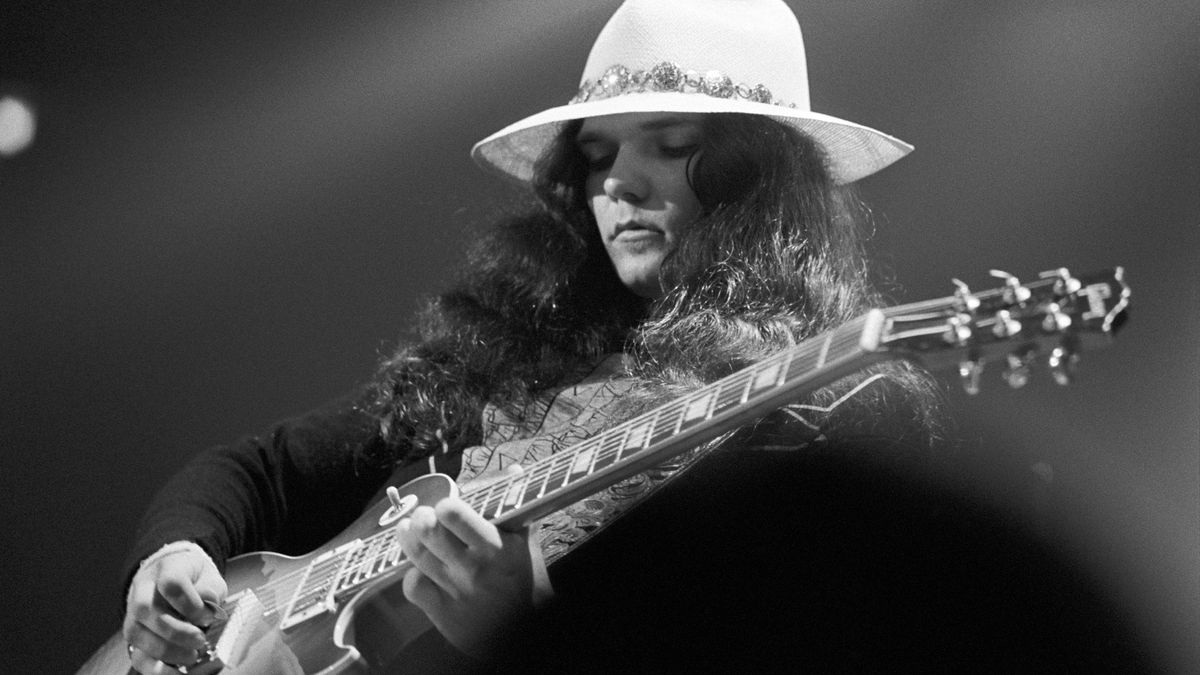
261, 586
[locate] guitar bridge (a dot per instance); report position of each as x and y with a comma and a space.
240, 614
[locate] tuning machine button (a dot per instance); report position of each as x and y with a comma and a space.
969, 372
1014, 292
1006, 326
1065, 285
958, 330
1056, 320
967, 301
1062, 364
1017, 372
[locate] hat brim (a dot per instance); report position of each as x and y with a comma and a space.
853, 150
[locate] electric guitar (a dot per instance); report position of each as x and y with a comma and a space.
308, 610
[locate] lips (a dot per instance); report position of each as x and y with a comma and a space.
635, 229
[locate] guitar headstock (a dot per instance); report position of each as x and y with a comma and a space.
1055, 317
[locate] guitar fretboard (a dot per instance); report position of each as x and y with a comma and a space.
574, 473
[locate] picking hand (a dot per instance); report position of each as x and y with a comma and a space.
165, 607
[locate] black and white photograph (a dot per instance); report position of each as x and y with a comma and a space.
564, 336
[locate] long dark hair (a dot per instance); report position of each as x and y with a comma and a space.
776, 257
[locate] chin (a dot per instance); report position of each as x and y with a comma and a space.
639, 273
643, 287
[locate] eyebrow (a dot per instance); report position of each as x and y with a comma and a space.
656, 124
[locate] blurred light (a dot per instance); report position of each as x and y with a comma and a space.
17, 125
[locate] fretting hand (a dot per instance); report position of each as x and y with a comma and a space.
468, 577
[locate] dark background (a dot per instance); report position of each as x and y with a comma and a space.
231, 208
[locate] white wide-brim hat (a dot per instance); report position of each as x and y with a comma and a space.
697, 56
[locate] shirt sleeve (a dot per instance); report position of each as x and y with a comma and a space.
288, 490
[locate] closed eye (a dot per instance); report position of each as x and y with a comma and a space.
598, 162
678, 151
596, 153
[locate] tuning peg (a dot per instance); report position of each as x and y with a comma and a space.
1056, 320
958, 330
969, 371
1014, 292
1062, 364
1017, 372
967, 301
1066, 285
1006, 326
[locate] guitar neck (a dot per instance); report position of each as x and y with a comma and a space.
968, 328
653, 437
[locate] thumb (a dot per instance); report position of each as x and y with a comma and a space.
211, 588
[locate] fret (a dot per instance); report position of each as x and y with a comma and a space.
664, 431
394, 552
824, 353
801, 360
767, 378
560, 471
358, 567
605, 458
609, 449
385, 553
838, 344
582, 464
372, 559
538, 473
377, 555
806, 359
638, 436
497, 504
733, 392
612, 442
533, 487
477, 499
512, 496
698, 409
494, 499
581, 460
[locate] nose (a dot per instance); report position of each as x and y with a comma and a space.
626, 179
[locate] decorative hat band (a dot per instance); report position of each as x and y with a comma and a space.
668, 77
